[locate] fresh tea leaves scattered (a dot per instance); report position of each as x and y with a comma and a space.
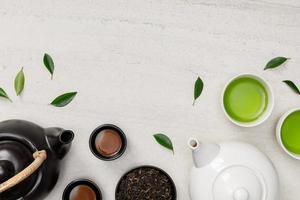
49, 64
19, 82
198, 88
63, 99
164, 141
4, 95
275, 62
292, 86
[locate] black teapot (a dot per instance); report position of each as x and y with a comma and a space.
29, 159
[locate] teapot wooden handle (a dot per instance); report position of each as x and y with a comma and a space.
39, 158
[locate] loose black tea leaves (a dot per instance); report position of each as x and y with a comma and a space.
146, 183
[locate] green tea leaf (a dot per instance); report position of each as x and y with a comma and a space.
275, 62
198, 88
49, 64
292, 86
3, 94
19, 82
164, 141
63, 99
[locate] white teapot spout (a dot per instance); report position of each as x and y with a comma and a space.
203, 154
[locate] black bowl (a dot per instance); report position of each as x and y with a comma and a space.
86, 182
94, 135
151, 167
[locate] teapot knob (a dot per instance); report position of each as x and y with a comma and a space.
241, 194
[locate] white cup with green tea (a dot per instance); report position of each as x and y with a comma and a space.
247, 100
288, 133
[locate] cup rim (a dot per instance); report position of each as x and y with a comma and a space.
148, 166
271, 101
278, 132
81, 181
93, 137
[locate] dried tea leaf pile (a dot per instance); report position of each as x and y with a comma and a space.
146, 183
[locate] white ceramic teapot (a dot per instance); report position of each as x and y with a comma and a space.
231, 171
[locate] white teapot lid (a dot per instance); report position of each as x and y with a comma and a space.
239, 183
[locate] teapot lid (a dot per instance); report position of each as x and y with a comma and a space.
239, 183
14, 157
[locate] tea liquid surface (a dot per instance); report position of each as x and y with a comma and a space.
245, 99
82, 192
290, 132
108, 142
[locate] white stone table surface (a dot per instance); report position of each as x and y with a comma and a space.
134, 63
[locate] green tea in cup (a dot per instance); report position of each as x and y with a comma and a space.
290, 132
247, 100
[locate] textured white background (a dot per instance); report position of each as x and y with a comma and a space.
134, 64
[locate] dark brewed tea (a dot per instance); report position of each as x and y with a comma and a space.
108, 142
82, 189
82, 192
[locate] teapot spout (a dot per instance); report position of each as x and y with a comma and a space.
59, 141
203, 154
